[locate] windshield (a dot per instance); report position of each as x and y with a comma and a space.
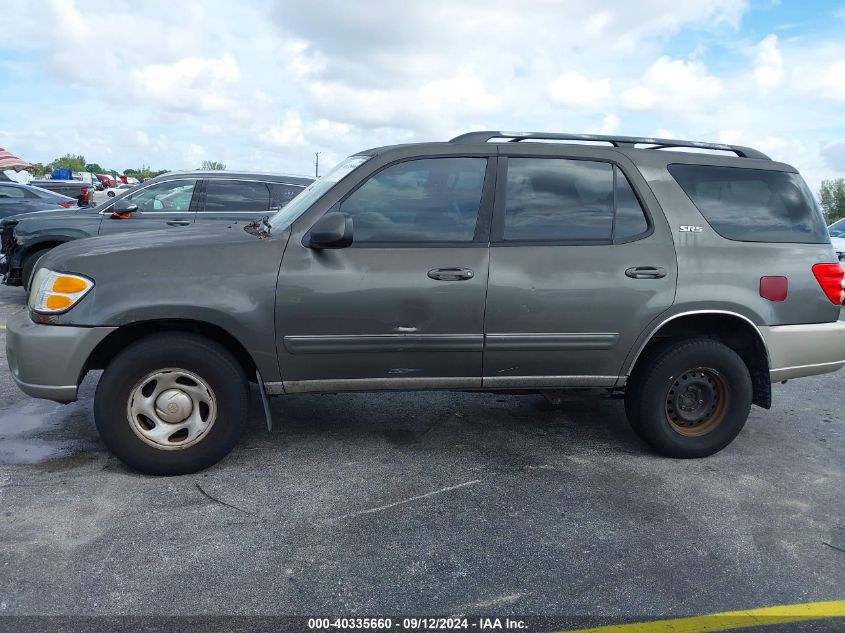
313, 192
837, 229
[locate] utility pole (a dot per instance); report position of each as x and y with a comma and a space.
317, 165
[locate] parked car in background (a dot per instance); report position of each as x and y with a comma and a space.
177, 199
76, 189
107, 180
111, 193
837, 238
16, 198
687, 283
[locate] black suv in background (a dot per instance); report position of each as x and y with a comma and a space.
176, 199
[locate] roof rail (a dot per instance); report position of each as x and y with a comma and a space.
616, 141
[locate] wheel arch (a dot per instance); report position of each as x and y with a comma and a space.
730, 328
125, 335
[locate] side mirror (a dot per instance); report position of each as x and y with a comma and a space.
333, 230
123, 209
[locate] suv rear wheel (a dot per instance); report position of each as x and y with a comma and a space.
690, 398
172, 404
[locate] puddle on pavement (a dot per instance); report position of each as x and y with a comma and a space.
22, 428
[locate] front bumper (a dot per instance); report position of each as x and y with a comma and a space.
47, 361
804, 350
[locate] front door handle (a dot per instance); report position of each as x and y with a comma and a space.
451, 274
178, 223
646, 272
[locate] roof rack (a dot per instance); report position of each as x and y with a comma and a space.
616, 141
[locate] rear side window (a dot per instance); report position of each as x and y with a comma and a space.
237, 196
423, 200
555, 199
14, 192
753, 205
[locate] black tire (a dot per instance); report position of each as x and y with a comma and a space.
690, 398
29, 265
192, 353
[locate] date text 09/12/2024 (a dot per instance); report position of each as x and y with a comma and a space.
417, 624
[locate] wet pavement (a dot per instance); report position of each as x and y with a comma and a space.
422, 504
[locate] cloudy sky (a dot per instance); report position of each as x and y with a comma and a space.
264, 85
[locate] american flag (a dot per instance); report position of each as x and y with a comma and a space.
9, 161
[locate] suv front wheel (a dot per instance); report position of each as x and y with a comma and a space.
172, 404
690, 398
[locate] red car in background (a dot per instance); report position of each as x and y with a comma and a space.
108, 181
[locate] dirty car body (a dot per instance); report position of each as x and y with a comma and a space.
469, 265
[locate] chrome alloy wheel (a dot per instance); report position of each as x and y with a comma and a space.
171, 409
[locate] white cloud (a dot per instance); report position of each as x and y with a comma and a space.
610, 124
768, 63
674, 84
574, 90
265, 85
190, 83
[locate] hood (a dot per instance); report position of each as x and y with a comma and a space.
52, 213
169, 272
167, 243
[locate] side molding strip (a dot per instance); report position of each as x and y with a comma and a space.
342, 343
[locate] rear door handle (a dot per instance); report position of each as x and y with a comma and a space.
646, 272
178, 223
451, 274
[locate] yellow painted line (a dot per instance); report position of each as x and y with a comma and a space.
2, 326
732, 620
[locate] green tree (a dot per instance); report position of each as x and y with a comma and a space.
213, 165
69, 161
38, 169
94, 168
832, 196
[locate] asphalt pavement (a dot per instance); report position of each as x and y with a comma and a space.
422, 504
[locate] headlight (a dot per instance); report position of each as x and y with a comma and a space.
54, 293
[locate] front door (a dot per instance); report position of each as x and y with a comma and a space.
162, 205
403, 307
577, 270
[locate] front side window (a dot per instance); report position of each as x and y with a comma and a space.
423, 200
173, 195
753, 205
237, 196
281, 194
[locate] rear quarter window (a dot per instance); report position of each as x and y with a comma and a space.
753, 205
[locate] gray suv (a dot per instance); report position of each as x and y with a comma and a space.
175, 199
685, 282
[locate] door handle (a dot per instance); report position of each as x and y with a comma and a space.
451, 274
178, 223
646, 272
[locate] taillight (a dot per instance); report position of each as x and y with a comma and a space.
85, 194
830, 278
67, 205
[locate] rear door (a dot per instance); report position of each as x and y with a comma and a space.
578, 266
161, 205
